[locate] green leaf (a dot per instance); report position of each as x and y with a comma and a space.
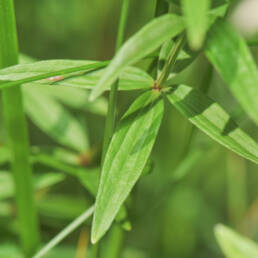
197, 22
41, 181
230, 55
4, 155
24, 73
209, 117
74, 98
234, 245
141, 44
89, 177
54, 119
131, 78
126, 158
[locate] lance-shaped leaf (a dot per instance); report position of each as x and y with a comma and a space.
230, 55
126, 158
209, 117
141, 44
234, 245
24, 73
52, 118
197, 20
131, 78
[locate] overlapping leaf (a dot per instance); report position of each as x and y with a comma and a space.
41, 181
234, 245
29, 72
229, 53
74, 97
141, 44
126, 158
54, 119
196, 18
209, 117
131, 78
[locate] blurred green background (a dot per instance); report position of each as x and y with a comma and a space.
191, 188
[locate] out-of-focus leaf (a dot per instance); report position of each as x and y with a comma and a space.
141, 44
10, 251
60, 154
40, 182
125, 159
209, 117
47, 180
89, 177
75, 98
230, 55
219, 11
196, 18
4, 154
62, 207
24, 73
234, 245
186, 165
54, 119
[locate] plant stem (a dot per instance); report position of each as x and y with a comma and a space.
171, 60
65, 232
113, 242
111, 114
16, 128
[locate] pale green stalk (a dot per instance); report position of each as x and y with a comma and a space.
16, 130
65, 232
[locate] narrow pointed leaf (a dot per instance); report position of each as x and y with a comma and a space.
141, 44
54, 119
126, 158
24, 73
131, 78
234, 245
230, 55
209, 117
197, 20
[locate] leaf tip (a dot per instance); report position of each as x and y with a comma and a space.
95, 235
93, 96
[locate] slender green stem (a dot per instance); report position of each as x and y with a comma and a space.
65, 232
171, 61
16, 128
113, 243
111, 114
